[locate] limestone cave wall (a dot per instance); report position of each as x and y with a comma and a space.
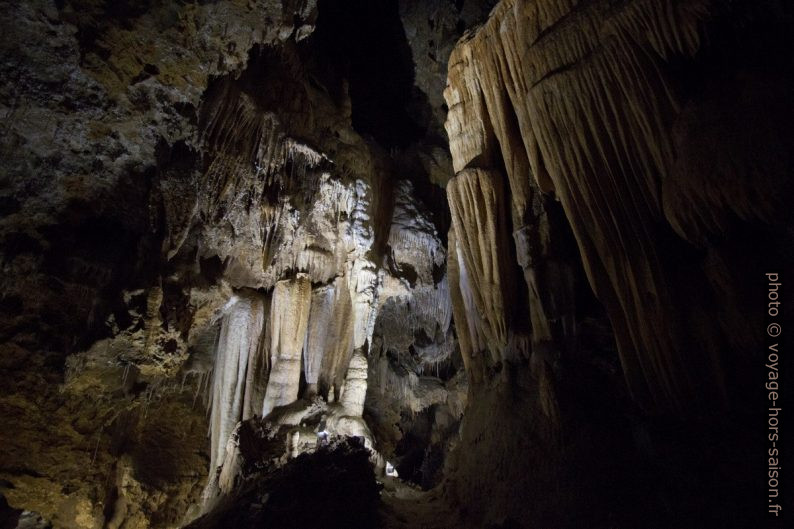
610, 110
467, 263
195, 234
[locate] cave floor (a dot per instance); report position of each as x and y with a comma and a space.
405, 507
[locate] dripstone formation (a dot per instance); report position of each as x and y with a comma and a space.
389, 263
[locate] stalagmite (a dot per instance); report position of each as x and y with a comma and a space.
346, 417
231, 463
355, 386
289, 316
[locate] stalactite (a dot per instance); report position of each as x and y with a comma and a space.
470, 347
329, 337
313, 234
478, 216
247, 144
583, 86
433, 304
258, 366
268, 190
269, 233
238, 346
412, 236
289, 316
320, 320
415, 393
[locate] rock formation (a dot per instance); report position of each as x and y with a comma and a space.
458, 263
585, 103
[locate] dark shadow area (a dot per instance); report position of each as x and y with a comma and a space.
363, 41
333, 487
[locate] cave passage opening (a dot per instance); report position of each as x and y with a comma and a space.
363, 42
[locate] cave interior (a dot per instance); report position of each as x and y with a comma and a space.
399, 264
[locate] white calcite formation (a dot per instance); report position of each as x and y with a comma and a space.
287, 223
346, 417
362, 275
355, 392
288, 323
322, 327
329, 339
278, 205
267, 341
414, 293
238, 345
290, 226
261, 353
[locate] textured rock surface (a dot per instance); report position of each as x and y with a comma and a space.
527, 76
100, 102
476, 200
255, 257
415, 400
588, 103
167, 170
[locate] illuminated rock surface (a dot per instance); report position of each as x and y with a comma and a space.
256, 253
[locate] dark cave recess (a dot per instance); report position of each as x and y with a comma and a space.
364, 41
